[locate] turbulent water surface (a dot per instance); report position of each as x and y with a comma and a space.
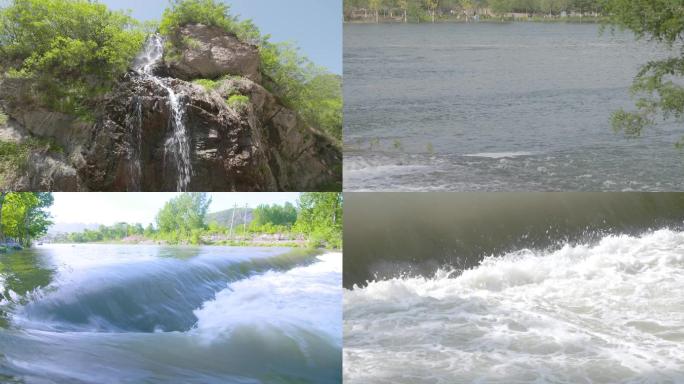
494, 107
514, 288
112, 314
606, 313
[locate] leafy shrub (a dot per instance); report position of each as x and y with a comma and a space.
71, 50
208, 12
3, 118
14, 156
208, 84
238, 102
299, 83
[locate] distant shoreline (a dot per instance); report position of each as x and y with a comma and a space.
539, 20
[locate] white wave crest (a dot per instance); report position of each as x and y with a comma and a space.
304, 298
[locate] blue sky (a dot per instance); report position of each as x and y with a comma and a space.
110, 208
314, 25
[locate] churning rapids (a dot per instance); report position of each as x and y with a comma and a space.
134, 314
607, 312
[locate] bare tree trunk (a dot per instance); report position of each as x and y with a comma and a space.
405, 17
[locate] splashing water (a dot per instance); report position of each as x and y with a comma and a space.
604, 313
178, 143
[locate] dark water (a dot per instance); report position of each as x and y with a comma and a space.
392, 234
498, 107
113, 314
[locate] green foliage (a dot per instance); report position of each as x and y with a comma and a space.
276, 215
657, 87
304, 86
3, 118
182, 220
116, 232
71, 51
15, 156
238, 102
320, 217
180, 217
431, 10
208, 12
301, 85
24, 215
208, 84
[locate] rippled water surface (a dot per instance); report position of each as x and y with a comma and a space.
134, 314
496, 107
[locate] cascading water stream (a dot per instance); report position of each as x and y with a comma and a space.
178, 142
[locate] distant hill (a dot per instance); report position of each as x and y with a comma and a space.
223, 217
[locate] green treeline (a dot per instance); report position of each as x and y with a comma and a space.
183, 220
67, 54
23, 217
432, 10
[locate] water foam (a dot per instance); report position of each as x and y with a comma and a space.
301, 298
610, 312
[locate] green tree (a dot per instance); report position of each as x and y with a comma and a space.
24, 215
320, 217
181, 217
656, 87
432, 6
277, 215
68, 51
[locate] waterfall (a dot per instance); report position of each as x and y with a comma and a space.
134, 124
178, 143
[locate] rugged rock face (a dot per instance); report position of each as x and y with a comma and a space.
210, 52
157, 133
259, 147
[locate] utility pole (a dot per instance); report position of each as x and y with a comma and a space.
232, 220
244, 222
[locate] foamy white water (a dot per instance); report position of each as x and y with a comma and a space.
606, 313
303, 298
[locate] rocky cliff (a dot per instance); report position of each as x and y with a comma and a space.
160, 131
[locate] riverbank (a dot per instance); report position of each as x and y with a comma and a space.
7, 247
492, 20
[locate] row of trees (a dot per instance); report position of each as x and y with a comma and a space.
183, 219
24, 216
431, 9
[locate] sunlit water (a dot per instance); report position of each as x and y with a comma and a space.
113, 314
471, 107
603, 313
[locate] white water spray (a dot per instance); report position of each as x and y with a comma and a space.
178, 142
605, 313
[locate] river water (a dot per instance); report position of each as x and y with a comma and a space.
498, 107
584, 288
112, 314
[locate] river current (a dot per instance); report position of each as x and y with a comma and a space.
498, 107
113, 314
